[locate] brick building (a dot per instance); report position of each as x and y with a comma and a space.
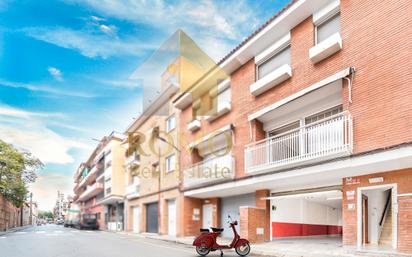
313, 129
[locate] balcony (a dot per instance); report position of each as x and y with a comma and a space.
325, 139
132, 161
132, 190
210, 171
91, 191
94, 172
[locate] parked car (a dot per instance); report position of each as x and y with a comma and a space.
60, 222
88, 221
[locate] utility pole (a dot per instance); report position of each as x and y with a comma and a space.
31, 209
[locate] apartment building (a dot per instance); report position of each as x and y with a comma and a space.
311, 135
99, 183
154, 201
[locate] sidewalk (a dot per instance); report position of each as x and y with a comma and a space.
290, 247
16, 229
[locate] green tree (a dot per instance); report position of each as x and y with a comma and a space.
45, 215
17, 170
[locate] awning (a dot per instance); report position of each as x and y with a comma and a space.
301, 93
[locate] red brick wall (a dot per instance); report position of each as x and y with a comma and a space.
190, 227
250, 220
403, 179
405, 223
264, 204
376, 41
10, 215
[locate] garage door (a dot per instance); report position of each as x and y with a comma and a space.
230, 206
152, 225
172, 217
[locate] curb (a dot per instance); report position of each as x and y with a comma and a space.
16, 229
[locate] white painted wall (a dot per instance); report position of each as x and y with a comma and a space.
376, 205
300, 210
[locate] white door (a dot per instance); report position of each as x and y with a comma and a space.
207, 215
172, 217
136, 219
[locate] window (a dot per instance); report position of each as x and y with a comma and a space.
223, 97
108, 164
272, 63
327, 28
170, 123
323, 115
170, 163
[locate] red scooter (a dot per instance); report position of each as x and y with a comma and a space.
207, 241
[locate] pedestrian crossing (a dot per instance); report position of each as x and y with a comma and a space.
49, 233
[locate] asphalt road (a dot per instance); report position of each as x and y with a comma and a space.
57, 241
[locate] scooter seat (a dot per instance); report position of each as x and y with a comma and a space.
217, 230
203, 230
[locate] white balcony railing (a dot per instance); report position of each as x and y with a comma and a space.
321, 140
209, 171
132, 160
132, 190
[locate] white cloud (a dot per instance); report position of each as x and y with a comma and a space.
87, 42
56, 73
19, 113
45, 89
28, 131
46, 186
217, 23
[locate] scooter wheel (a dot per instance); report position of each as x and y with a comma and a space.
202, 251
243, 250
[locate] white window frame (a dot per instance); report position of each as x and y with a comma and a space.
169, 129
269, 57
170, 167
329, 17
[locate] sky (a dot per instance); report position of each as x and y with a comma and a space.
65, 67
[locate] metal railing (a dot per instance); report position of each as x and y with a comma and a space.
209, 171
318, 140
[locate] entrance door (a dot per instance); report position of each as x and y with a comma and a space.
136, 219
152, 224
365, 235
172, 217
207, 215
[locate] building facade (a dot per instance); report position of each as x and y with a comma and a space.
312, 130
309, 133
99, 183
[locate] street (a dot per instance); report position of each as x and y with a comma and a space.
57, 241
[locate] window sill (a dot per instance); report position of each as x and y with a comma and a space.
193, 125
325, 48
222, 109
270, 80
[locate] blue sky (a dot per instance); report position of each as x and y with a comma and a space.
65, 67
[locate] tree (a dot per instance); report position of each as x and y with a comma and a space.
18, 170
46, 215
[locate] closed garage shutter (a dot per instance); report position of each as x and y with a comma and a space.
230, 206
152, 218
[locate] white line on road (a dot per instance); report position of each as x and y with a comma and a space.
58, 231
21, 233
162, 246
3, 237
40, 232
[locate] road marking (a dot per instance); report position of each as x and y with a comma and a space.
58, 231
40, 232
3, 237
162, 246
21, 233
